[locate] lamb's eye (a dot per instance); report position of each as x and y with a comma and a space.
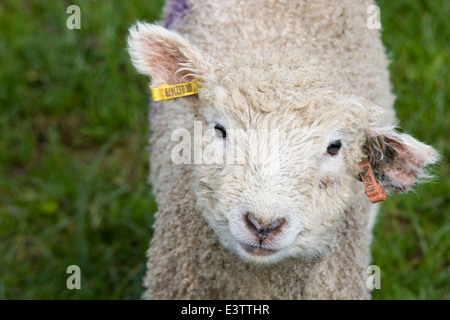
334, 147
220, 131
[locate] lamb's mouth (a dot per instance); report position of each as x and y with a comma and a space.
257, 250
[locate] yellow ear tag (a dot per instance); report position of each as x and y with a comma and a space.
171, 91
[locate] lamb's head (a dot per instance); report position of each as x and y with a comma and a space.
278, 167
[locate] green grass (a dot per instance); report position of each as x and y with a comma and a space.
412, 236
73, 154
73, 158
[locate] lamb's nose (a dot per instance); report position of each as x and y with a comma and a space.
262, 231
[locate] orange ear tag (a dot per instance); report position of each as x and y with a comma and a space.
373, 189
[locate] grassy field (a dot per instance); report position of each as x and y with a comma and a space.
73, 158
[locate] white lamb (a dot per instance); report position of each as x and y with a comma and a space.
297, 222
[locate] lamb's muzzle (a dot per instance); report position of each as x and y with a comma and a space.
262, 233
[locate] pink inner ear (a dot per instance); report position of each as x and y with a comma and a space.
400, 179
406, 166
163, 62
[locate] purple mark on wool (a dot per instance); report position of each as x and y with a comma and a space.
154, 106
154, 110
175, 11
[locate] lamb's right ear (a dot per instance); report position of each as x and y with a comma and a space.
165, 56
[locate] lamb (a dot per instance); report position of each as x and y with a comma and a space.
296, 224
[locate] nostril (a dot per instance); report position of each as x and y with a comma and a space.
253, 222
277, 224
261, 231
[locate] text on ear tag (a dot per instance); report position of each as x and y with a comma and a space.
171, 91
373, 189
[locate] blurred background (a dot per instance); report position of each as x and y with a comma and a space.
74, 159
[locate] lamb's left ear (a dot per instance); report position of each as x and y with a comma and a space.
398, 160
165, 56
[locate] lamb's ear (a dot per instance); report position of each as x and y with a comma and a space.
165, 56
398, 160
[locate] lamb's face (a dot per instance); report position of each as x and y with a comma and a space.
292, 144
274, 184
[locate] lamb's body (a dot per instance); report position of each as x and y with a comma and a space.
186, 260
